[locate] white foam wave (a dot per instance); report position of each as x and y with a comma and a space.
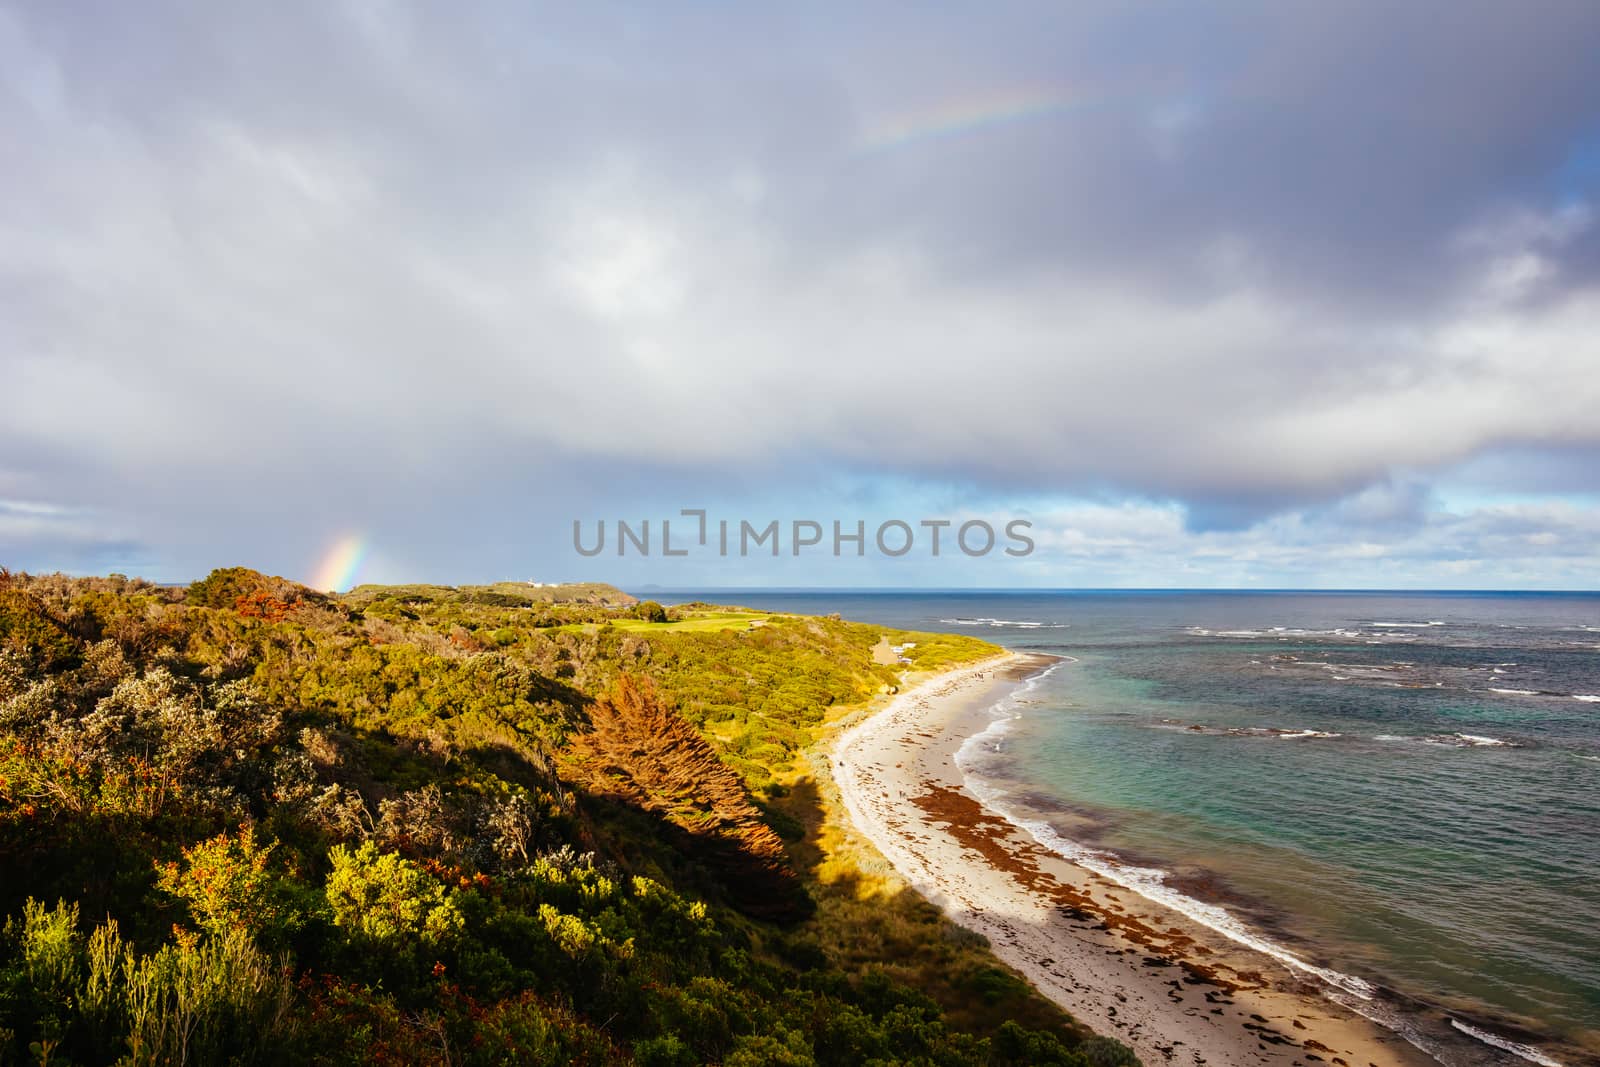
1517, 692
1406, 625
1023, 624
1273, 631
1452, 740
1151, 883
1148, 882
1002, 715
1588, 698
1382, 633
1478, 740
1278, 732
989, 739
1387, 1016
1527, 1052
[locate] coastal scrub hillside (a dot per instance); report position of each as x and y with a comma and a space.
249, 823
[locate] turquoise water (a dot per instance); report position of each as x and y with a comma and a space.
1402, 789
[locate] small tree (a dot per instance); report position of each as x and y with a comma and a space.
650, 611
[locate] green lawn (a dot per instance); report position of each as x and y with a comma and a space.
700, 622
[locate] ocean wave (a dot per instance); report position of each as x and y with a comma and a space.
1455, 740
1406, 625
1151, 883
989, 739
1019, 623
1470, 741
1479, 739
1534, 693
1279, 732
1148, 882
1273, 631
1002, 715
1390, 1017
1451, 740
1376, 636
1527, 1052
1502, 679
1154, 884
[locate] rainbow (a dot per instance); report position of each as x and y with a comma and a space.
968, 115
337, 571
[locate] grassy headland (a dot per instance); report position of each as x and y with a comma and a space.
246, 822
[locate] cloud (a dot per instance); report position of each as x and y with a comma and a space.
266, 277
49, 537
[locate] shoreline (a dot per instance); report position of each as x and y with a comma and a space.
1174, 990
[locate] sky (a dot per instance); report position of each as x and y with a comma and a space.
1210, 295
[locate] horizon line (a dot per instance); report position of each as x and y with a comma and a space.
947, 589
1100, 589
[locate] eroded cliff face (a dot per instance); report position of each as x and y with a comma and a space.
642, 752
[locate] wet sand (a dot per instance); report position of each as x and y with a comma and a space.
1169, 987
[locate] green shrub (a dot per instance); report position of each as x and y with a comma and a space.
218, 1000
1107, 1052
196, 1000
399, 787
227, 886
388, 900
667, 1051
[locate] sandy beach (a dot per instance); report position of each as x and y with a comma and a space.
1174, 990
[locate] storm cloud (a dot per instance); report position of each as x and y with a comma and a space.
1282, 282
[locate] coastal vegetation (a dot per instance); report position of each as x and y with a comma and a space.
244, 822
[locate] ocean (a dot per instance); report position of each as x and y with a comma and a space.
1400, 791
